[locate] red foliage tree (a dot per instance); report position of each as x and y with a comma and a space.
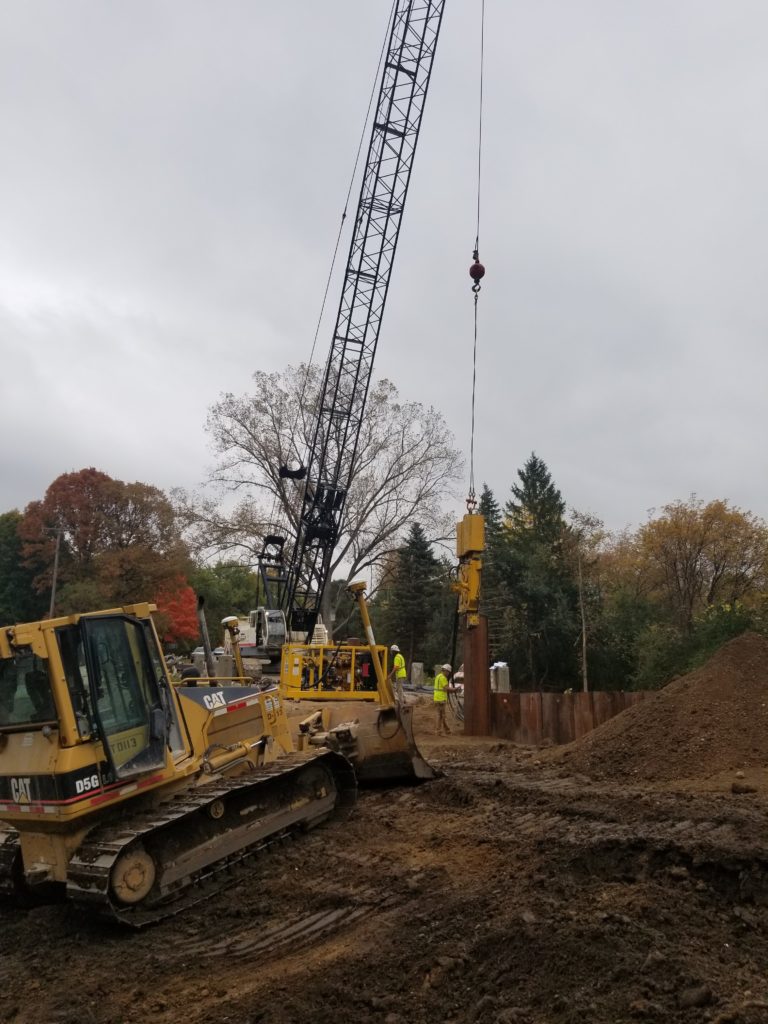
120, 542
176, 617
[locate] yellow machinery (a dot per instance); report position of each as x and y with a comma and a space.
316, 671
133, 796
329, 672
378, 740
470, 545
367, 726
137, 796
232, 629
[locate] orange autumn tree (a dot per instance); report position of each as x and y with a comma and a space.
694, 556
176, 616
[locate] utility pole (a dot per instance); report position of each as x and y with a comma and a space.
584, 680
59, 532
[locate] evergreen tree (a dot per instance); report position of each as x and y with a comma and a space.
540, 627
494, 597
538, 508
490, 510
409, 596
438, 642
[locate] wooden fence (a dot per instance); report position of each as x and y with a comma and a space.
535, 718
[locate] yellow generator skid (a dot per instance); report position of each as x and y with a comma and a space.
342, 672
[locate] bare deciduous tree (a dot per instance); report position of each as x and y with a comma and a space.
405, 467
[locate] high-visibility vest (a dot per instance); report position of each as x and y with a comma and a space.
399, 666
441, 688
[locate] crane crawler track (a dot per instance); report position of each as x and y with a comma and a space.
204, 841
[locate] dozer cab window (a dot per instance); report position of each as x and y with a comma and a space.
25, 692
76, 673
175, 741
125, 694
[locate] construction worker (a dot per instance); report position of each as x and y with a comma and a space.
398, 673
442, 689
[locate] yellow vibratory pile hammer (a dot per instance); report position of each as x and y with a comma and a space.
135, 797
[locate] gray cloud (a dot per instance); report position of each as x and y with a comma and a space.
171, 180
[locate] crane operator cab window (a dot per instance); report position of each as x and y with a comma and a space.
25, 692
125, 698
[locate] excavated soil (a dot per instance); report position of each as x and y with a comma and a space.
509, 891
706, 725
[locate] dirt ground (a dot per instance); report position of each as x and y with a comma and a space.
515, 889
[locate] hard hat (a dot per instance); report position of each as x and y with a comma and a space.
394, 647
447, 668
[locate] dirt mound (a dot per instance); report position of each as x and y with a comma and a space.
711, 721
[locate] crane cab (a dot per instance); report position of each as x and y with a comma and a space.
269, 629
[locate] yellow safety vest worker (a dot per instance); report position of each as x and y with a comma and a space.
399, 666
441, 688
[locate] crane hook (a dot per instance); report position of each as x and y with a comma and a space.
476, 271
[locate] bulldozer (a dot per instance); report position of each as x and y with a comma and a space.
132, 796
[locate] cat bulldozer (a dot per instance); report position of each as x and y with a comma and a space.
131, 795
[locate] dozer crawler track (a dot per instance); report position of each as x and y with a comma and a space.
152, 865
10, 863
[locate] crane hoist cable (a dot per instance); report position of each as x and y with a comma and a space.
476, 270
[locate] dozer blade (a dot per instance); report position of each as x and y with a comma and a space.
377, 740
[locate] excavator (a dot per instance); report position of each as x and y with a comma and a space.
137, 797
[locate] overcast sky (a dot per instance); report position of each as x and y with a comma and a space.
171, 180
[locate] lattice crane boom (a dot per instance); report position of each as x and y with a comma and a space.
406, 74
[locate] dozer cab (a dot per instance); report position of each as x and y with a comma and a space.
134, 796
